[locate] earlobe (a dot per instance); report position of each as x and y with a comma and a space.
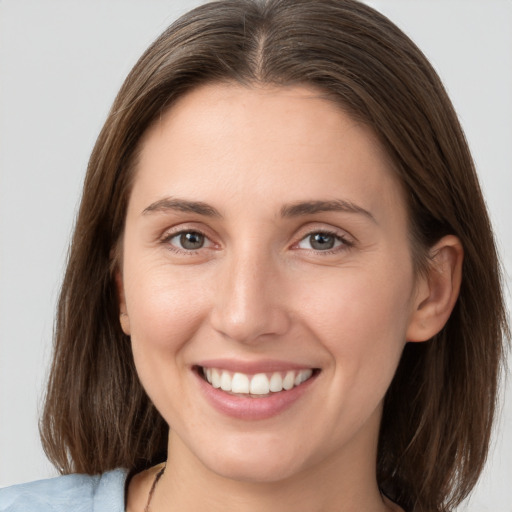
437, 292
124, 319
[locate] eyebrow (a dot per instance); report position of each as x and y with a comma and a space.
297, 209
311, 207
181, 205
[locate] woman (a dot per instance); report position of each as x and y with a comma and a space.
283, 254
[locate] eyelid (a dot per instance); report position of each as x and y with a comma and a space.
180, 233
320, 227
337, 239
185, 227
347, 240
180, 229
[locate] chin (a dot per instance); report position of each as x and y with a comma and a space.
255, 471
255, 460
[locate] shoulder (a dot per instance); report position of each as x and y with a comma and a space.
77, 493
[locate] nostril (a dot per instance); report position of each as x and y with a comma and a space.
253, 326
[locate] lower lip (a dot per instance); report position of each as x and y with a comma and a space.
246, 408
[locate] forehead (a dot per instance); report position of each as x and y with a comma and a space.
233, 106
224, 140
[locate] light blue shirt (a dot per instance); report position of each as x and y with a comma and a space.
69, 493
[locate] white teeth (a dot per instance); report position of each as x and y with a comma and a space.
225, 381
305, 375
240, 383
258, 384
289, 380
276, 382
215, 378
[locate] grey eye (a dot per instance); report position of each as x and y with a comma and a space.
190, 240
320, 241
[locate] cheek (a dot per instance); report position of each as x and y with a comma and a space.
360, 303
165, 310
361, 316
165, 313
361, 322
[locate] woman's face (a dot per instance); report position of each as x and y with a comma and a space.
266, 251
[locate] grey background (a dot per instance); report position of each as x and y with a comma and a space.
61, 64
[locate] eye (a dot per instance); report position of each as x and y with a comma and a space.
188, 240
321, 241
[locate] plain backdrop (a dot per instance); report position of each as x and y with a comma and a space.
61, 64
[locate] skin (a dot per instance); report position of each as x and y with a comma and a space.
257, 289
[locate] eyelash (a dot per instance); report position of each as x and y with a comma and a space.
166, 240
345, 243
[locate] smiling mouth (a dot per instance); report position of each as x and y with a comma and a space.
258, 385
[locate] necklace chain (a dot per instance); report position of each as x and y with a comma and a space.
153, 486
157, 478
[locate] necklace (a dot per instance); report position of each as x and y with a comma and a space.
153, 486
159, 475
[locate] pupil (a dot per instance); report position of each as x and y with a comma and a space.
322, 241
192, 240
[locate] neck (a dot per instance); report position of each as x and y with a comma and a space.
342, 483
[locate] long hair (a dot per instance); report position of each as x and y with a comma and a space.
439, 410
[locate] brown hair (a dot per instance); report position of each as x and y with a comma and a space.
439, 409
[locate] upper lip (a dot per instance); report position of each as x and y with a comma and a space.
253, 367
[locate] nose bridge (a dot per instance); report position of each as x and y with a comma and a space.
248, 304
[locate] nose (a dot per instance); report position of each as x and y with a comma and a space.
250, 303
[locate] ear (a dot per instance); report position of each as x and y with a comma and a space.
438, 290
124, 319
